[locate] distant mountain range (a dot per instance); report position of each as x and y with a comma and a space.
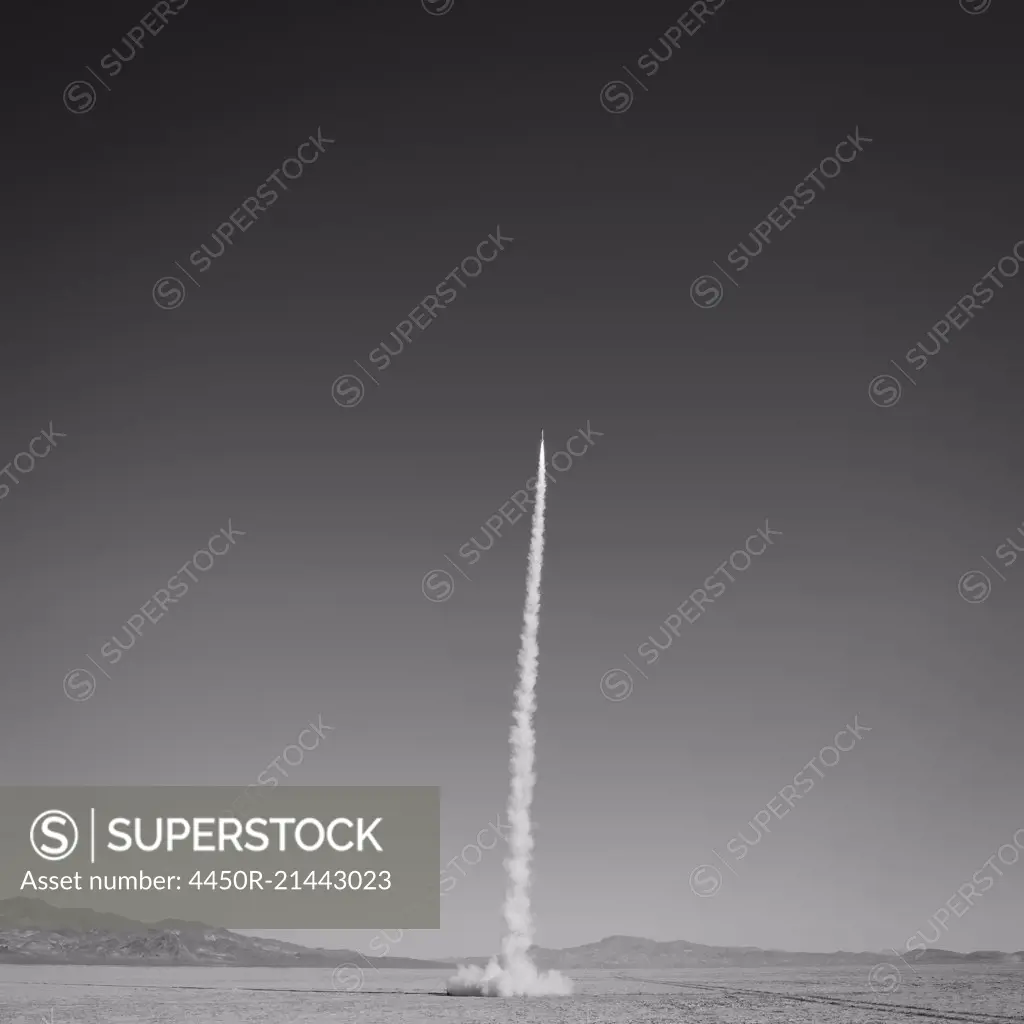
627, 951
34, 932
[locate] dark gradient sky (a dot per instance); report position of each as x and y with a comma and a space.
713, 420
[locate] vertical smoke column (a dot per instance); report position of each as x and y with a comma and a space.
516, 975
523, 741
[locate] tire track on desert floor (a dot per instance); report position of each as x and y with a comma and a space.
865, 1004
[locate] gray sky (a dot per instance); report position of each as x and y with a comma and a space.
712, 421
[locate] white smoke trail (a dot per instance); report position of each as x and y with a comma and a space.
518, 975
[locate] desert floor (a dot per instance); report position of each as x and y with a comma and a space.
179, 995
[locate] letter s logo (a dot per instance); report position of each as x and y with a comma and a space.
616, 97
54, 825
885, 390
705, 880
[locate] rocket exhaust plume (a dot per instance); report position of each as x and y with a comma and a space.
516, 974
